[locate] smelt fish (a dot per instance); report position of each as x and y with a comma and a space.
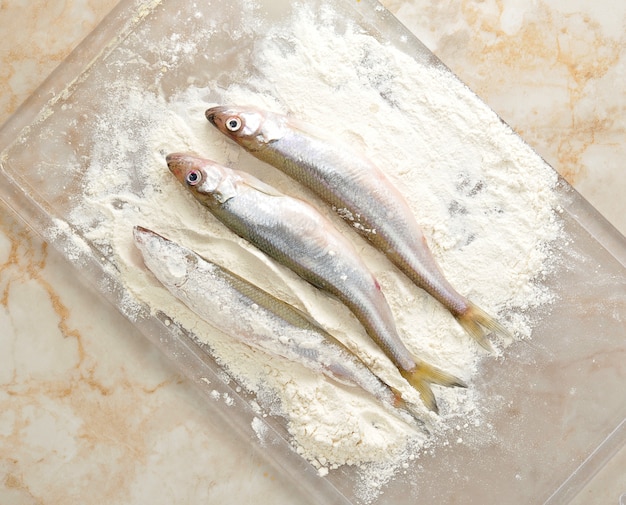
360, 193
258, 319
295, 234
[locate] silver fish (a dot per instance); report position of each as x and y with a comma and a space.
258, 319
360, 193
296, 235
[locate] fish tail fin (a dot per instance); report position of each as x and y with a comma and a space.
480, 325
423, 375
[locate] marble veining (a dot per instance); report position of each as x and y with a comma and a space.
90, 412
87, 405
548, 68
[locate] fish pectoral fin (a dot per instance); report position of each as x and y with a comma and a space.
423, 375
480, 325
257, 185
339, 374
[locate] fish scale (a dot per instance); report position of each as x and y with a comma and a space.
361, 194
280, 329
298, 236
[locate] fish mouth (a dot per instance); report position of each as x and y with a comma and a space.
142, 235
139, 233
214, 114
179, 164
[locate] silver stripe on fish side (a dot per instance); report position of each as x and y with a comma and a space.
242, 310
360, 193
296, 235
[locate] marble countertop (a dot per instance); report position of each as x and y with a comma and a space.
90, 412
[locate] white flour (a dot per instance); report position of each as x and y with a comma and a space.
485, 200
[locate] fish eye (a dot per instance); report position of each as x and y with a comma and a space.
193, 177
233, 123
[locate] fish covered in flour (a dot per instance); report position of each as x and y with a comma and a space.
296, 235
258, 319
360, 193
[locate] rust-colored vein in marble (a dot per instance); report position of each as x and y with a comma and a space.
108, 424
31, 52
573, 44
27, 259
538, 72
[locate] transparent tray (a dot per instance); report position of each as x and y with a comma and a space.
568, 409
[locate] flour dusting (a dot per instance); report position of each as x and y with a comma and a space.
485, 200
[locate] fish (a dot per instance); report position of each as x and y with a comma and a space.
298, 236
253, 316
360, 193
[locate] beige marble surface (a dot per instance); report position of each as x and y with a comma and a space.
91, 413
552, 70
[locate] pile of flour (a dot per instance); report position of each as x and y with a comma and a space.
486, 203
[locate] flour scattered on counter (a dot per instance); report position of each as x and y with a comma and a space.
485, 200
260, 428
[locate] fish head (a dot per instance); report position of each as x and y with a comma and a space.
170, 263
251, 128
208, 181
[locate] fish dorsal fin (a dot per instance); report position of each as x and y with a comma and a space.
307, 128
